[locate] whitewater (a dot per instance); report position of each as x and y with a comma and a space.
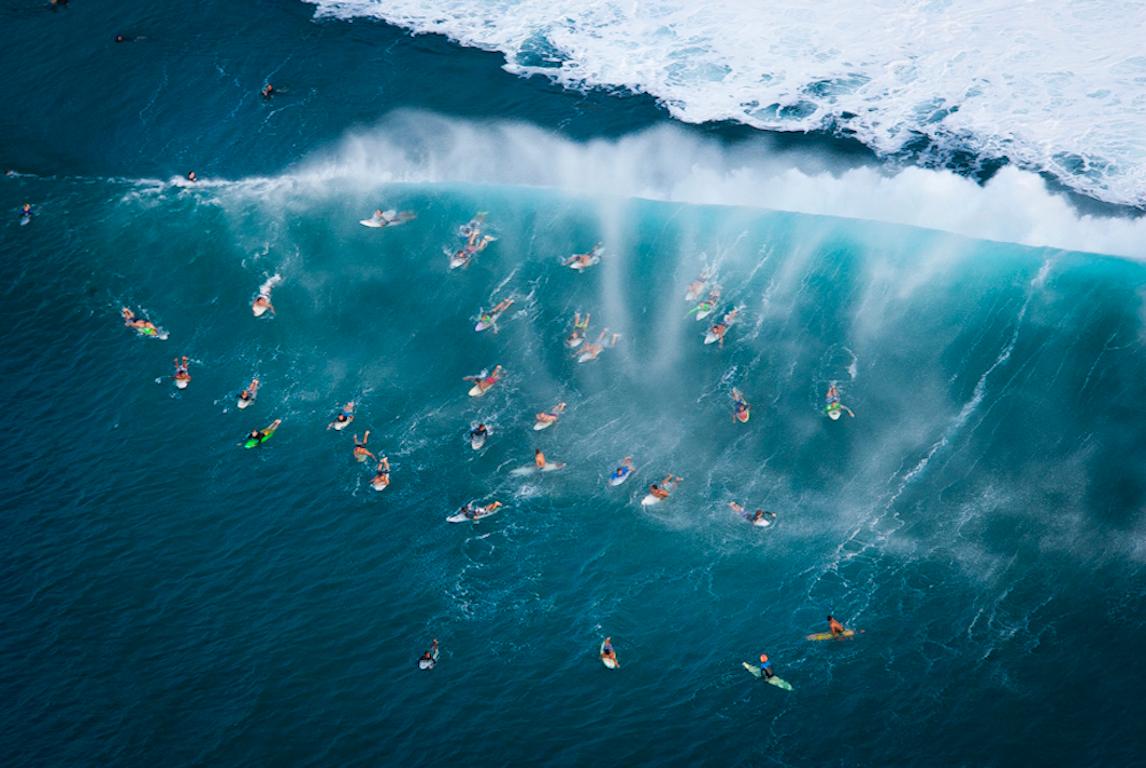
1057, 87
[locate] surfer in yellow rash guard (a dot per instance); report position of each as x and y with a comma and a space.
835, 627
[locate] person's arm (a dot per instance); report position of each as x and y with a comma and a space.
849, 410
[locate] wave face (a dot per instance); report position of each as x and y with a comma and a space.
981, 516
1057, 87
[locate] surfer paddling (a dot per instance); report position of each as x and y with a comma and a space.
833, 407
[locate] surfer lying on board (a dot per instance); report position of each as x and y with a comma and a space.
360, 450
143, 326
580, 325
381, 474
550, 416
667, 486
486, 380
258, 435
344, 417
252, 390
481, 430
182, 376
834, 406
624, 469
389, 217
262, 302
766, 670
475, 244
835, 627
721, 328
489, 319
429, 658
583, 260
608, 652
753, 517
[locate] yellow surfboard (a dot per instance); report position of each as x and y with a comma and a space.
829, 636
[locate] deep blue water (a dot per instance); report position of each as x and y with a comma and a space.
168, 597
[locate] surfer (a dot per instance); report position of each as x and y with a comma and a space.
267, 91
766, 671
584, 260
259, 435
381, 218
580, 325
475, 244
262, 302
837, 629
484, 381
739, 405
145, 327
248, 395
833, 405
538, 458
191, 177
706, 307
721, 328
26, 211
592, 350
182, 377
481, 430
552, 415
489, 319
381, 474
608, 652
667, 486
429, 658
360, 450
623, 470
344, 417
756, 518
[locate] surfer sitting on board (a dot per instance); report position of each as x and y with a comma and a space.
26, 211
539, 458
835, 627
344, 417
607, 652
360, 451
766, 671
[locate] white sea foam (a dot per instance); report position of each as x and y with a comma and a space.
670, 163
1056, 85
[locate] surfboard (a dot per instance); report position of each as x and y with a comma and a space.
763, 522
258, 311
458, 261
553, 466
694, 291
710, 338
477, 441
341, 425
705, 312
378, 485
649, 500
828, 635
241, 403
372, 223
182, 383
743, 416
25, 220
834, 415
608, 662
540, 425
477, 390
482, 325
585, 357
774, 680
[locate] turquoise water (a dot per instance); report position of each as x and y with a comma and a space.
170, 597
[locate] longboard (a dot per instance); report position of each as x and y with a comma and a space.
830, 636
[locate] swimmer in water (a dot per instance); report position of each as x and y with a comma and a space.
360, 451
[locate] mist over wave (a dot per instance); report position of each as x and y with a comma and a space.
1056, 86
668, 163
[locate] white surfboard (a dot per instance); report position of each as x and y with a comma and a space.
540, 425
763, 522
586, 357
477, 441
182, 383
711, 338
477, 390
241, 403
25, 221
458, 261
650, 500
341, 425
481, 515
378, 485
705, 312
834, 415
483, 325
258, 311
372, 223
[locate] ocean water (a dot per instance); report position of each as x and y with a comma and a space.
169, 597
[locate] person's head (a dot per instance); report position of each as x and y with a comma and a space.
254, 434
655, 487
763, 658
340, 417
831, 617
758, 514
120, 38
191, 175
